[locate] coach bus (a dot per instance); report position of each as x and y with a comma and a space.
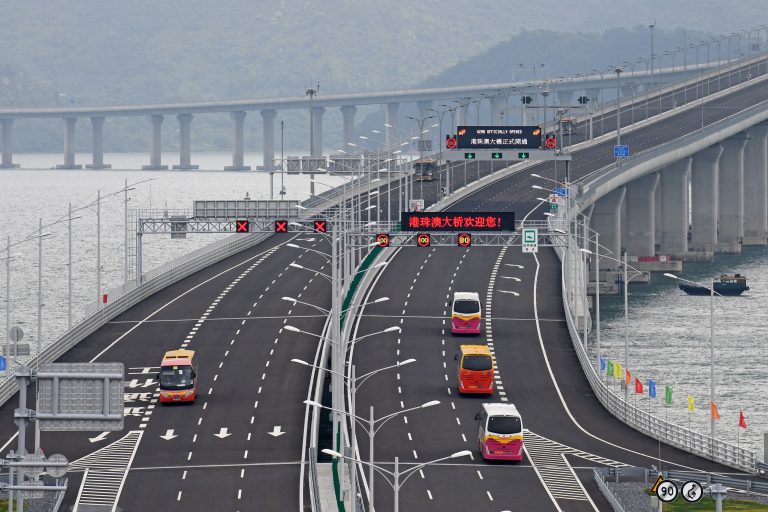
425, 169
501, 432
466, 315
475, 369
178, 376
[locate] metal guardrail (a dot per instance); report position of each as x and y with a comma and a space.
606, 473
612, 500
642, 421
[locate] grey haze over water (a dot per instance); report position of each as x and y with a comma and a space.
669, 331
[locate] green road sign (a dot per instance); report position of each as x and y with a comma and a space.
469, 156
524, 155
496, 156
530, 240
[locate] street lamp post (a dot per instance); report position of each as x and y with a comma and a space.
618, 71
311, 93
396, 475
651, 27
712, 294
354, 387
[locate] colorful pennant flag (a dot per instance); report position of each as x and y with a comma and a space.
638, 387
713, 411
742, 421
610, 371
628, 377
617, 370
668, 394
602, 364
651, 388
691, 406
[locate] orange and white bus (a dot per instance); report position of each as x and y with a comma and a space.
501, 432
466, 314
178, 376
475, 369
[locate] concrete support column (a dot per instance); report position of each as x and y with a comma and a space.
317, 131
673, 208
348, 113
97, 123
69, 145
606, 220
268, 134
593, 93
238, 119
498, 106
390, 118
730, 209
461, 113
155, 145
565, 98
185, 142
756, 186
7, 162
641, 215
704, 200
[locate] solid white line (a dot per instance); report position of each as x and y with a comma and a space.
594, 507
528, 456
560, 394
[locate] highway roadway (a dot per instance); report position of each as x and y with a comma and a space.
537, 367
239, 446
240, 443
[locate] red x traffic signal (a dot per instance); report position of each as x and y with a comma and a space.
321, 226
241, 226
281, 226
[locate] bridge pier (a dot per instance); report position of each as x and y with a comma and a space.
7, 162
69, 145
185, 142
498, 106
317, 132
640, 216
390, 118
155, 145
756, 192
606, 220
268, 138
730, 211
565, 98
97, 123
348, 113
593, 93
238, 163
673, 209
704, 201
461, 113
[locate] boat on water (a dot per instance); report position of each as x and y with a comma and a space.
728, 285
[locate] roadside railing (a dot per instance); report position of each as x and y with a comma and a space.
641, 420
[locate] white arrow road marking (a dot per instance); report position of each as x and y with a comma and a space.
169, 435
100, 437
223, 433
135, 383
277, 431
